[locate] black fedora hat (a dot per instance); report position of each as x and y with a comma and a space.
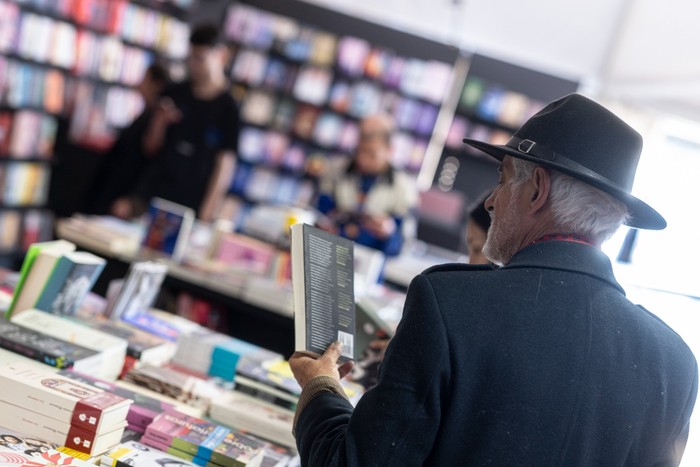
583, 139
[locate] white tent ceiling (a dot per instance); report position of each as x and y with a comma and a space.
639, 52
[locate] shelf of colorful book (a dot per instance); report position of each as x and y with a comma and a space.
132, 23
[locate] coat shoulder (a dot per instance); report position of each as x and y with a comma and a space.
458, 267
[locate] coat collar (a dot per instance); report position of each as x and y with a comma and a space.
566, 256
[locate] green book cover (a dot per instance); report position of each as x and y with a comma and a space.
31, 255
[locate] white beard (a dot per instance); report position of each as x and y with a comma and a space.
501, 240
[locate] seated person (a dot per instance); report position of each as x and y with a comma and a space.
368, 200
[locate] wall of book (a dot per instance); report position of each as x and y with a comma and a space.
72, 61
496, 98
305, 76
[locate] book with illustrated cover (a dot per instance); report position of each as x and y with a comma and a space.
135, 453
47, 349
322, 282
61, 398
168, 229
72, 278
138, 290
28, 451
112, 349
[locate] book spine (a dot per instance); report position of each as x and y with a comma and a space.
80, 440
88, 412
25, 349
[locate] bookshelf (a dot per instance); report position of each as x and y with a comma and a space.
67, 72
306, 75
495, 99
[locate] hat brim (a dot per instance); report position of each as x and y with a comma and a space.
642, 216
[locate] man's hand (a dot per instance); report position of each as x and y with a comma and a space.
305, 367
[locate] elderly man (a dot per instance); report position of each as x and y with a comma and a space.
542, 361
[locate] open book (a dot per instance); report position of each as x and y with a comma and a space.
322, 283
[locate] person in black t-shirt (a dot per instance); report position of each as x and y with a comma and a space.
124, 163
194, 133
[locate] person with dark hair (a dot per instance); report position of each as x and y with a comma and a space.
368, 200
193, 134
542, 361
126, 160
477, 228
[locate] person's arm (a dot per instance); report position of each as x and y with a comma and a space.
164, 115
218, 185
397, 421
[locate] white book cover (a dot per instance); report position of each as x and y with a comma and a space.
61, 398
111, 348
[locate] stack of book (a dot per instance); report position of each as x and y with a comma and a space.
215, 354
203, 442
266, 377
20, 449
253, 415
183, 387
142, 347
48, 349
144, 408
60, 410
135, 453
111, 350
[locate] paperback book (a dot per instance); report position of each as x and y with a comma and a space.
168, 229
206, 440
71, 279
135, 453
322, 282
111, 350
47, 349
61, 398
144, 408
138, 290
35, 287
61, 433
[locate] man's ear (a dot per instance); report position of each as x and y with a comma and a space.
541, 181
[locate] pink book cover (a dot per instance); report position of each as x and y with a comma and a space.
175, 429
246, 253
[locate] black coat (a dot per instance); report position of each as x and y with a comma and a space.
543, 362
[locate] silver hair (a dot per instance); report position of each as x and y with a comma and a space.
576, 206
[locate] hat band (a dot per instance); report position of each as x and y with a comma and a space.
538, 151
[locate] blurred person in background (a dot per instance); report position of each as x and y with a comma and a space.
126, 161
193, 135
368, 200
